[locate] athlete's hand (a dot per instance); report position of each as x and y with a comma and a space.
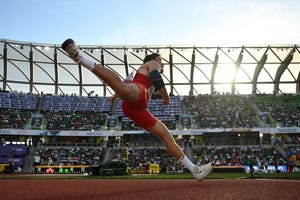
113, 98
166, 100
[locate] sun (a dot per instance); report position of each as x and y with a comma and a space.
224, 73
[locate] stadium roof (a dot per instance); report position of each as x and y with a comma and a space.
35, 68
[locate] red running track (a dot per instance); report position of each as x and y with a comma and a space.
148, 189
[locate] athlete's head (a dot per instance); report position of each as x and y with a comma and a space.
149, 57
156, 57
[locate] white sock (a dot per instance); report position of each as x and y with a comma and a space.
187, 163
87, 63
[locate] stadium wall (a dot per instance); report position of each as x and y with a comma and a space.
121, 133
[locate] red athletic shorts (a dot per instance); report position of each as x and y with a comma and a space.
137, 110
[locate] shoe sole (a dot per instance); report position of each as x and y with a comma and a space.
66, 43
72, 50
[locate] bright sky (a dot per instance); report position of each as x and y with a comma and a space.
152, 22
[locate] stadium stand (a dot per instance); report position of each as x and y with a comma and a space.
76, 155
207, 111
64, 112
216, 111
281, 110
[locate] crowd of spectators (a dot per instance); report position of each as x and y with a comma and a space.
65, 112
69, 156
220, 111
14, 118
140, 158
73, 112
208, 111
16, 108
283, 110
74, 120
262, 156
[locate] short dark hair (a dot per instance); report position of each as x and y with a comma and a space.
152, 56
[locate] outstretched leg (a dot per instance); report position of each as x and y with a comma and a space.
161, 131
127, 92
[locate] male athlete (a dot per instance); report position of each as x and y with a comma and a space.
134, 98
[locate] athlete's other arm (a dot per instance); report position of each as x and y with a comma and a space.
155, 71
164, 93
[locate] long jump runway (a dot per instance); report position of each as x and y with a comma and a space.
148, 189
